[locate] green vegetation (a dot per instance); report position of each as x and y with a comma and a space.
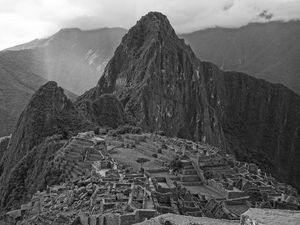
142, 161
176, 164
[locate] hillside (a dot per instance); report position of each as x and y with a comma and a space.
48, 112
265, 50
18, 83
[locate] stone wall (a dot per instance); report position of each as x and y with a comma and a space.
217, 185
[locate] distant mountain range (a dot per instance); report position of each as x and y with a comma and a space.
72, 57
270, 51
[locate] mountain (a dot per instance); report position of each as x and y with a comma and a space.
163, 86
156, 77
49, 112
71, 57
18, 83
265, 50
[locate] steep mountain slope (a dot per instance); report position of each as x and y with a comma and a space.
4, 141
48, 112
260, 120
264, 50
105, 110
156, 77
163, 86
71, 57
16, 88
17, 85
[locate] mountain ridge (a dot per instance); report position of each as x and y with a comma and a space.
264, 50
71, 52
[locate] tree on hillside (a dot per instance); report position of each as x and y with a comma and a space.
176, 164
142, 161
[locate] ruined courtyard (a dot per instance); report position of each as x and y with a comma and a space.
105, 182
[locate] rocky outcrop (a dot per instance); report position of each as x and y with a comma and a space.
164, 87
4, 141
105, 110
48, 112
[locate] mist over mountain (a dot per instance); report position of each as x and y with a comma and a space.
18, 83
270, 50
72, 57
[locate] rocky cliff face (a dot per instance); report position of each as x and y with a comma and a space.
105, 110
260, 120
48, 112
163, 86
4, 141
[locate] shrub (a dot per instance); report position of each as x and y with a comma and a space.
154, 155
97, 131
65, 135
176, 164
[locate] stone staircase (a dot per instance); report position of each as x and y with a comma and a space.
188, 175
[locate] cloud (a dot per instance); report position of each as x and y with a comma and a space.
23, 21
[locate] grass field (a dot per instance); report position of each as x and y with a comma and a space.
128, 157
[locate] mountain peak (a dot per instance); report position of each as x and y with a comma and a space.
154, 18
153, 22
48, 94
50, 84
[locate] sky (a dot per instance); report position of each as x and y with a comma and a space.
24, 20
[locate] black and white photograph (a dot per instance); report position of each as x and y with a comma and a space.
150, 112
